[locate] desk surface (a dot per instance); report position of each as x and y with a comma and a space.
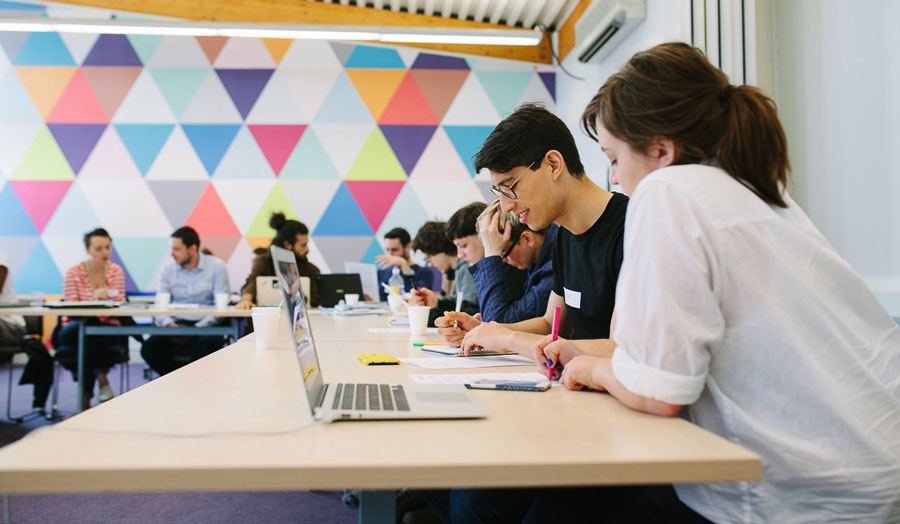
126, 311
529, 439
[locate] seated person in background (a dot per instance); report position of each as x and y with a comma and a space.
545, 183
508, 243
39, 369
93, 279
441, 253
292, 235
191, 278
397, 244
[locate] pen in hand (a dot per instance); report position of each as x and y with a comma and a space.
554, 334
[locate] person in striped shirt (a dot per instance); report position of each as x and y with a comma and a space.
93, 279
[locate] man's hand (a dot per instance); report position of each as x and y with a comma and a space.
453, 326
492, 239
423, 297
383, 261
245, 303
490, 335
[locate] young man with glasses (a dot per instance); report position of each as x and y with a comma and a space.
538, 176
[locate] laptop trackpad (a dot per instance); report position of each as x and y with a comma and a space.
442, 396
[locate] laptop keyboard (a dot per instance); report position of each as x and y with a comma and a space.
371, 397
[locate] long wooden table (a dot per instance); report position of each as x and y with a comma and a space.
238, 420
230, 330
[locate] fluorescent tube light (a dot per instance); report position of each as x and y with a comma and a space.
514, 37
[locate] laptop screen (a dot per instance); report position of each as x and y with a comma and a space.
298, 320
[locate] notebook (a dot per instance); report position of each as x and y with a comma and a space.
332, 287
83, 304
365, 401
450, 351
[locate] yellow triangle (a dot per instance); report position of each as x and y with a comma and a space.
276, 201
257, 242
376, 161
277, 47
43, 160
45, 85
376, 87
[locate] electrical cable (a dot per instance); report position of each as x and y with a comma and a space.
549, 39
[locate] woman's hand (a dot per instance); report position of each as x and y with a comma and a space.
554, 354
579, 373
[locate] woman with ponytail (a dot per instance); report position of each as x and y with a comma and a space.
733, 309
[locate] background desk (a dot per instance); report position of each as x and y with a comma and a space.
240, 390
231, 330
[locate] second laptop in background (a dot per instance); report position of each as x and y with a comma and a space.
332, 287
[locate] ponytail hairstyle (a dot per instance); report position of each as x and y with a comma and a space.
286, 230
671, 91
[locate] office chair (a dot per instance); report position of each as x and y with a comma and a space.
38, 369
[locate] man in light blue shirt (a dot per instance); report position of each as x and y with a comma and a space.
191, 278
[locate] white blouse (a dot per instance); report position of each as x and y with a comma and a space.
746, 313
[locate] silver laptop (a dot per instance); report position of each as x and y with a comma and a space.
267, 292
364, 401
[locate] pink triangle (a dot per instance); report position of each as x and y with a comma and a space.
375, 198
210, 218
40, 199
78, 105
220, 247
277, 142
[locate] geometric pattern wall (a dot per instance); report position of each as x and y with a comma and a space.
142, 134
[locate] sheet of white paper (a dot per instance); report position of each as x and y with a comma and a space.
468, 378
430, 331
367, 274
467, 362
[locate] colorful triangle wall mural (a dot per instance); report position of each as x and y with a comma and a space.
358, 137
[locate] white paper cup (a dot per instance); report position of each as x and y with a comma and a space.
418, 320
162, 300
222, 300
304, 287
351, 299
265, 325
398, 305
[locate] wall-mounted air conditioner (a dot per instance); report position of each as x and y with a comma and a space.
604, 25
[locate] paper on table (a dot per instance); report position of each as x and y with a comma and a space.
368, 275
467, 363
469, 378
431, 331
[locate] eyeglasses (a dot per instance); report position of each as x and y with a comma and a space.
507, 190
506, 253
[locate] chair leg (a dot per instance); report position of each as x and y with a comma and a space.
34, 413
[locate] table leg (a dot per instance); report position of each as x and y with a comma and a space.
80, 366
377, 507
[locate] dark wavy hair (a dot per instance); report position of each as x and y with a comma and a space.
432, 239
286, 230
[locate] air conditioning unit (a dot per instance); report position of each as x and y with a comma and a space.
604, 25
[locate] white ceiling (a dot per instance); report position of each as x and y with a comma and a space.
521, 13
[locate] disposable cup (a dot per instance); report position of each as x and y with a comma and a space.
418, 320
162, 299
265, 325
222, 300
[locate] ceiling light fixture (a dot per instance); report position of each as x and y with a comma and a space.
408, 35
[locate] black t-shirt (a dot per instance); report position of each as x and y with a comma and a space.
586, 268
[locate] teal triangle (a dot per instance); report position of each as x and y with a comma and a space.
144, 142
309, 160
16, 105
343, 217
15, 222
210, 141
44, 49
374, 250
343, 105
73, 217
39, 273
142, 257
178, 85
468, 140
504, 88
367, 57
472, 63
144, 45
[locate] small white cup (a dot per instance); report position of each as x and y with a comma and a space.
162, 299
304, 287
418, 320
351, 299
265, 325
222, 300
398, 305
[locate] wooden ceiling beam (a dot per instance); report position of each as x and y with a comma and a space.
302, 12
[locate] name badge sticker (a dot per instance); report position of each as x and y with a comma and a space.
573, 298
